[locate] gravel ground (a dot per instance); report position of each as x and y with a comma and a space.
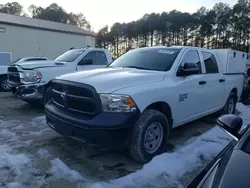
52, 161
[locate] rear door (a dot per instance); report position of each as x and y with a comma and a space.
191, 90
99, 59
215, 85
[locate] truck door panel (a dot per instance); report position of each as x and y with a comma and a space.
215, 86
191, 90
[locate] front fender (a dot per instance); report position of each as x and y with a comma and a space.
147, 94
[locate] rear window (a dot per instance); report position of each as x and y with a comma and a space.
159, 59
210, 62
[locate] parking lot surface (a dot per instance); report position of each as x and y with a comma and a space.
33, 155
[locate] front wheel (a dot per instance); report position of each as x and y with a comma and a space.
47, 95
149, 137
4, 86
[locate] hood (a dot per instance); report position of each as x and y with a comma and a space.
108, 80
39, 64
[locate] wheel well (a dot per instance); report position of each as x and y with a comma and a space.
3, 75
46, 86
234, 90
164, 108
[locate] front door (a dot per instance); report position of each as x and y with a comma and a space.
191, 90
99, 60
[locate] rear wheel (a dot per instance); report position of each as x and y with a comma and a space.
4, 86
246, 96
230, 105
149, 137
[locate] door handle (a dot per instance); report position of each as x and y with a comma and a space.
202, 82
221, 80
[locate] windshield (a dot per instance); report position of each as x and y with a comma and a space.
70, 55
160, 59
36, 59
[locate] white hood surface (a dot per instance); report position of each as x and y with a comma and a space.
40, 64
108, 80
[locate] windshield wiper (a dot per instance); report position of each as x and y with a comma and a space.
137, 67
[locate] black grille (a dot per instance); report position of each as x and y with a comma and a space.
13, 74
75, 97
12, 69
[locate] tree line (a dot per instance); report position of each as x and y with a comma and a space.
220, 27
53, 12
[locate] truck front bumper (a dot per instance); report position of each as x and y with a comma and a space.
29, 92
106, 130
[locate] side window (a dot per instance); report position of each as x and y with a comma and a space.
101, 58
192, 56
90, 55
98, 57
210, 62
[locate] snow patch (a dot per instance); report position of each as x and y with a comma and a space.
14, 185
5, 124
43, 153
16, 162
168, 168
40, 119
61, 170
8, 135
19, 127
40, 132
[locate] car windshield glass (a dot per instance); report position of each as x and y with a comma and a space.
36, 59
70, 55
159, 59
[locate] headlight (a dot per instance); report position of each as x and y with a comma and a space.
117, 103
30, 76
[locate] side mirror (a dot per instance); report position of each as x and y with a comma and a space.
231, 124
248, 72
86, 62
189, 69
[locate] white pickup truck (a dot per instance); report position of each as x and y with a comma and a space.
140, 97
29, 79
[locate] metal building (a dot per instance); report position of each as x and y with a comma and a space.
24, 37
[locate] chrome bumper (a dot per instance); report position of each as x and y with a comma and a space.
29, 92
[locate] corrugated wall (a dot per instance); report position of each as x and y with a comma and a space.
23, 42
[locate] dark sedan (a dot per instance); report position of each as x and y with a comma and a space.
231, 168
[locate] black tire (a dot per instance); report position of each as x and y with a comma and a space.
137, 149
34, 103
246, 96
13, 90
3, 82
47, 95
225, 109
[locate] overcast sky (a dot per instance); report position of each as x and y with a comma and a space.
106, 12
